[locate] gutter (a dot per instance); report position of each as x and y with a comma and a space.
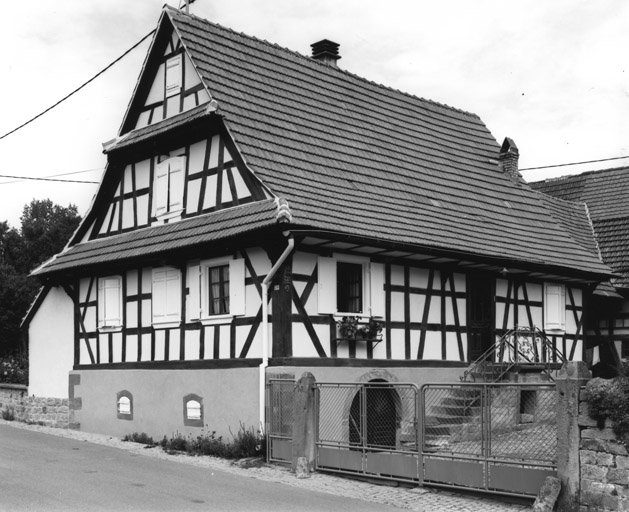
265, 326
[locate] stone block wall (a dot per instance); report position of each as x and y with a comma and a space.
51, 412
604, 467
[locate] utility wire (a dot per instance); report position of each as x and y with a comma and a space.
18, 179
573, 163
80, 87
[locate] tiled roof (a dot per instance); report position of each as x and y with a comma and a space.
145, 242
356, 157
605, 193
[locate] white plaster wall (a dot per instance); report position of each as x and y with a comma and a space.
51, 346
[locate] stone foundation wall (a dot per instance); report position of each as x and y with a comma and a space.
51, 412
604, 466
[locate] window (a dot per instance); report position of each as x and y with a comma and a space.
349, 287
173, 75
193, 411
216, 290
110, 302
169, 185
217, 285
554, 307
124, 405
350, 284
166, 297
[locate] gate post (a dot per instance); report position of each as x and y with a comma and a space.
304, 422
572, 376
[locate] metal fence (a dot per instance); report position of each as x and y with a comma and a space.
368, 429
493, 437
280, 397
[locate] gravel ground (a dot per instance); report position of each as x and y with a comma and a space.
417, 498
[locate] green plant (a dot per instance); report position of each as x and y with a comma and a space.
350, 328
8, 413
610, 399
139, 437
246, 443
14, 369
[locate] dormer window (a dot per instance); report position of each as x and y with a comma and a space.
169, 185
173, 75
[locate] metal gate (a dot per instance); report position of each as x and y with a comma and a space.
499, 438
280, 395
368, 429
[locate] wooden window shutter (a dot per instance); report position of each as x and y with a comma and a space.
160, 194
193, 301
176, 177
158, 295
173, 75
554, 307
173, 295
110, 301
326, 286
237, 287
376, 277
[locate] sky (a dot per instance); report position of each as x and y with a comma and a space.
553, 76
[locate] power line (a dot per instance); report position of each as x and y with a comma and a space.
18, 179
81, 86
574, 163
21, 178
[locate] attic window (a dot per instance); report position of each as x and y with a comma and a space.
173, 75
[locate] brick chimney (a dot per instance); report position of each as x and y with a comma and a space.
326, 51
508, 158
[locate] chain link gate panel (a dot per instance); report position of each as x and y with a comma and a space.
498, 438
280, 417
368, 429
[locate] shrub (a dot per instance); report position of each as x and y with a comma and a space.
8, 413
246, 443
610, 399
139, 437
14, 369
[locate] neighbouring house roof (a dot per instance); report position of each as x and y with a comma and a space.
357, 158
605, 194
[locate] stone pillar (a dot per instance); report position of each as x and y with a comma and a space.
304, 425
572, 377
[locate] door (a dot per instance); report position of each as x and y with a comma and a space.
480, 314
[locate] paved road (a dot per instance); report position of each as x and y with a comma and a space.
40, 472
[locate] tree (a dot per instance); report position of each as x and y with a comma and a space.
46, 228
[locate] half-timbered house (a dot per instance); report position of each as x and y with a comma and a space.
253, 198
604, 194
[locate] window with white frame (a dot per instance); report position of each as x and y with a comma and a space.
124, 405
554, 307
110, 302
216, 290
174, 72
350, 285
166, 297
169, 185
193, 410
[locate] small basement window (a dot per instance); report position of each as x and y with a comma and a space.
193, 411
124, 402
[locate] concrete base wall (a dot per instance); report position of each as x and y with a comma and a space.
229, 398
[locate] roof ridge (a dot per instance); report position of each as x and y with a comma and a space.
333, 69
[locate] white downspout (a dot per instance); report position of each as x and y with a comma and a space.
265, 327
